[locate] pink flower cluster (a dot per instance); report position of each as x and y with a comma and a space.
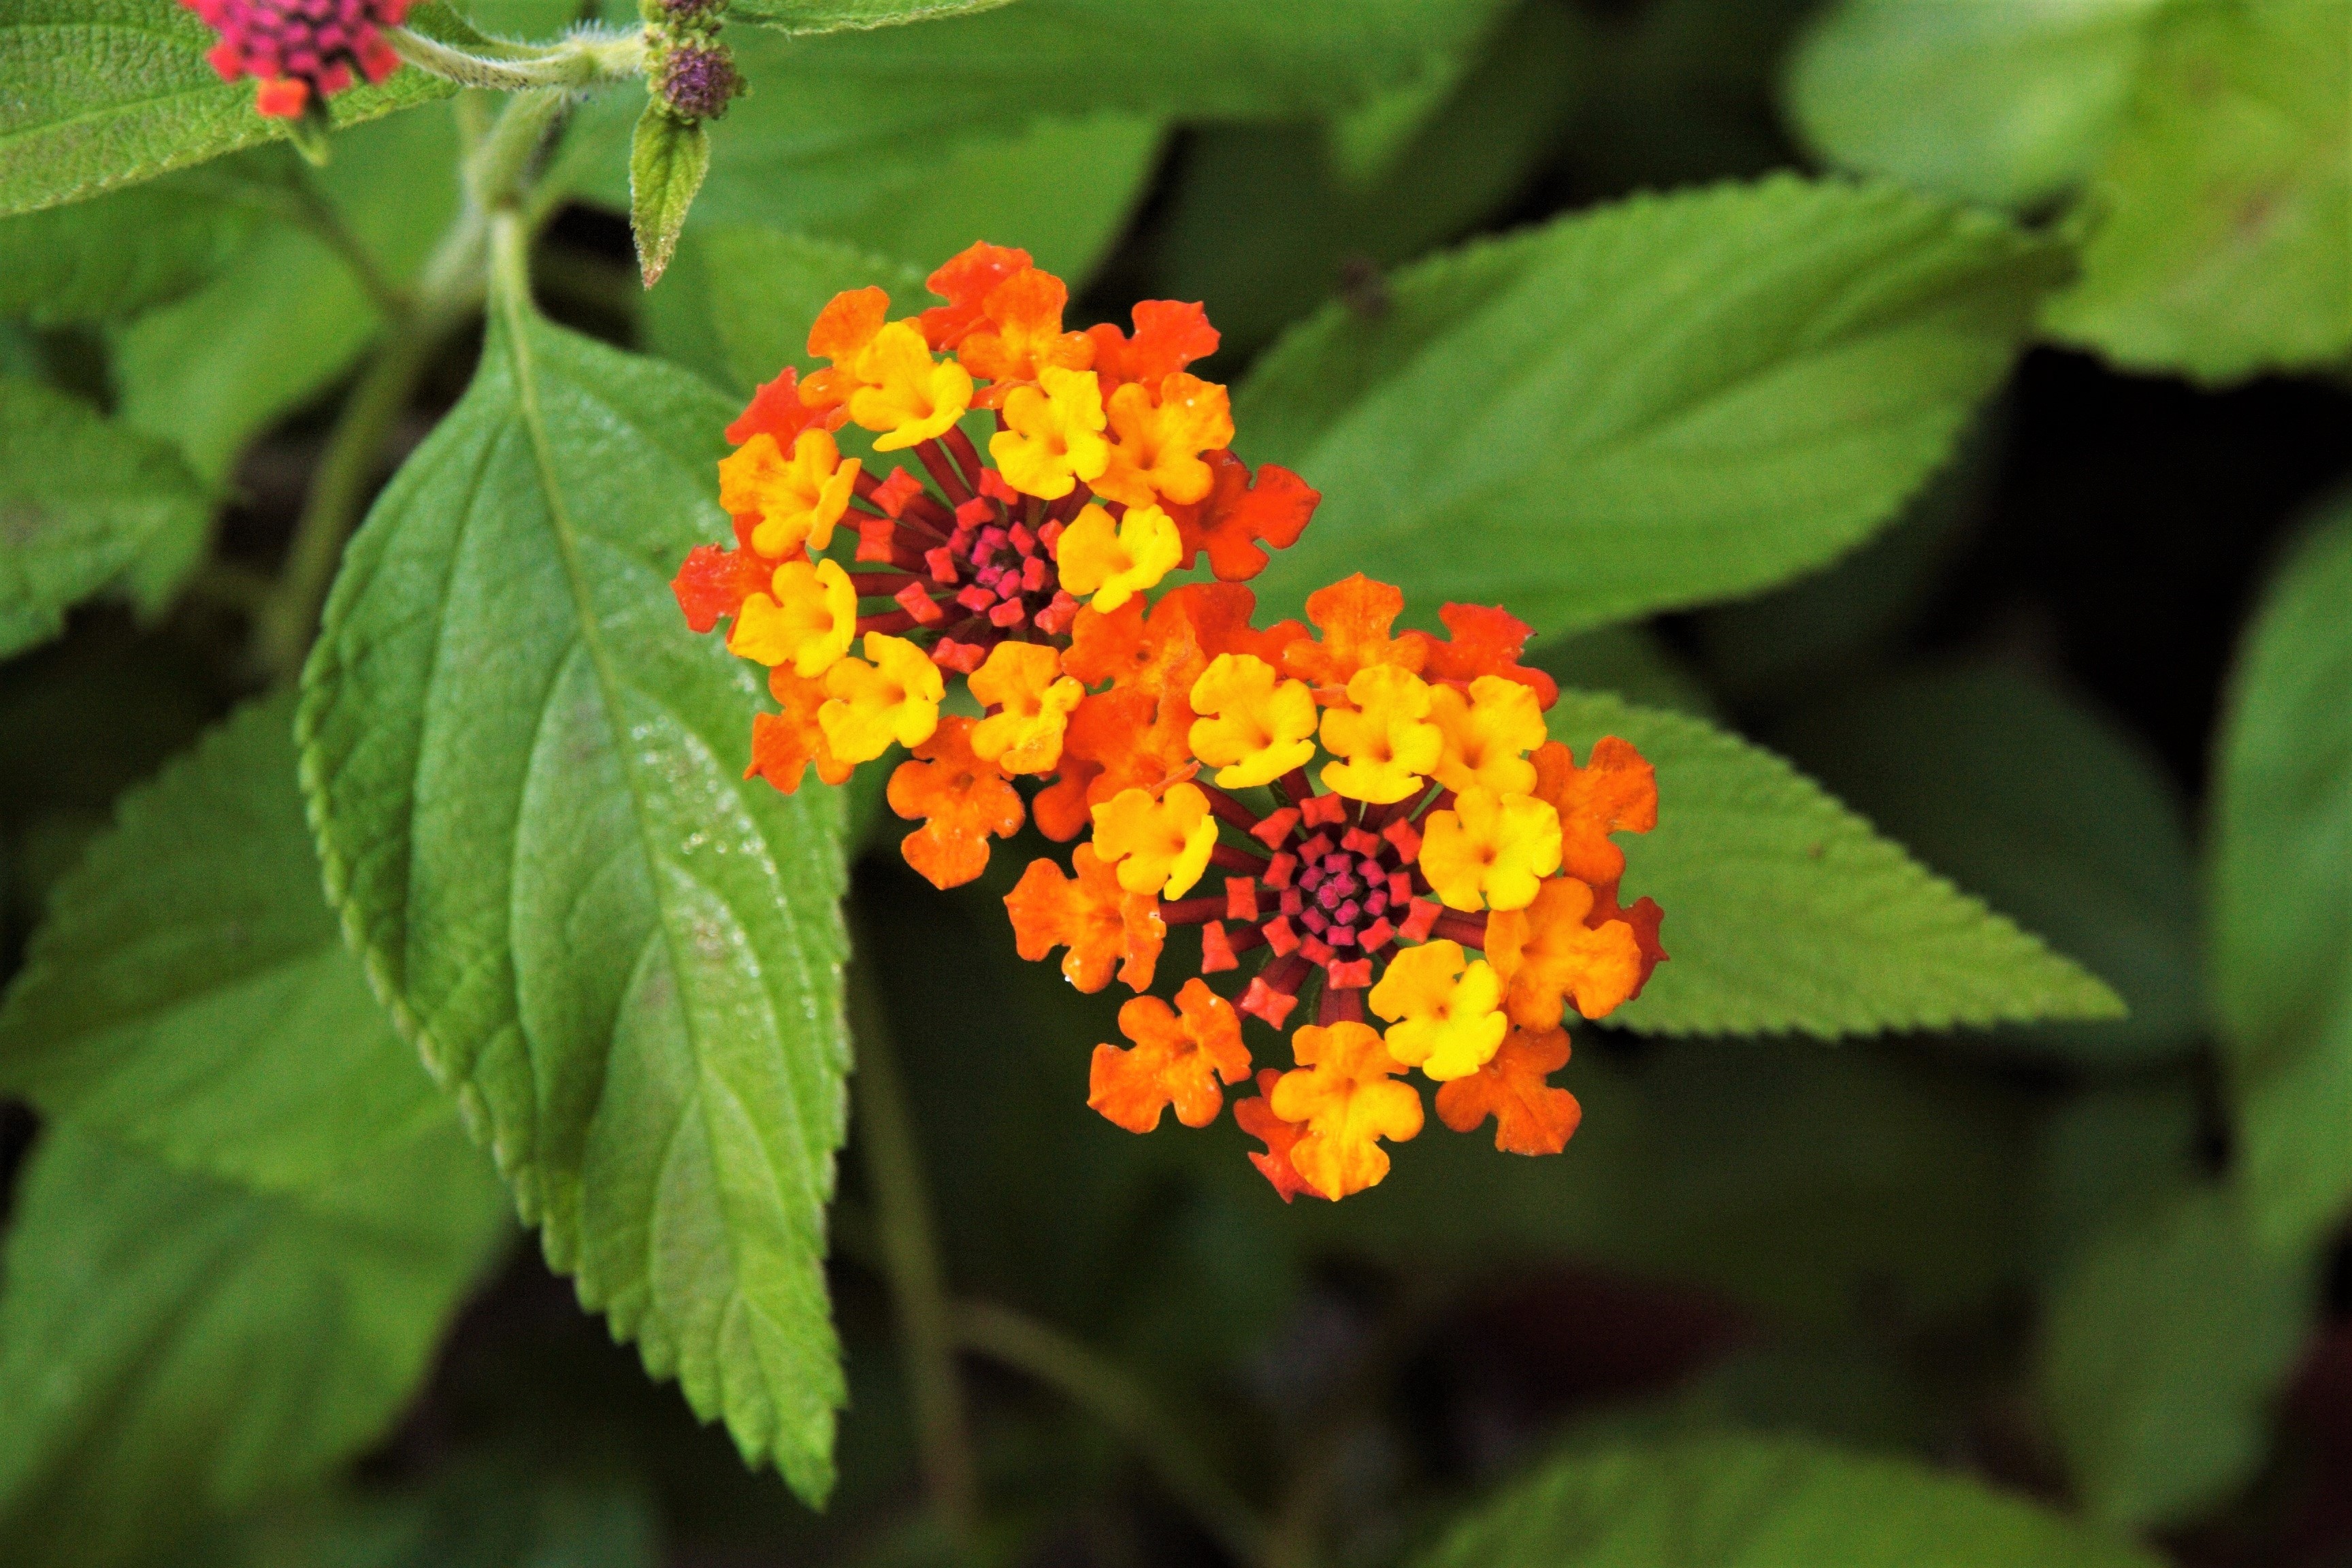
296, 48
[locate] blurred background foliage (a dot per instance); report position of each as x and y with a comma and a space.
2098, 673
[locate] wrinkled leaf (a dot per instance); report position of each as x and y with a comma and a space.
1664, 402
100, 93
1748, 1502
621, 957
2224, 201
2162, 1349
2047, 811
1784, 911
2009, 101
2281, 906
80, 498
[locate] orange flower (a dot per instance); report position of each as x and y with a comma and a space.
1157, 439
715, 581
1354, 617
1616, 790
962, 798
1102, 924
1565, 958
1257, 1119
1486, 640
1530, 1116
1238, 511
1169, 336
1345, 1094
1177, 1057
1020, 335
965, 282
1023, 682
840, 333
777, 412
784, 745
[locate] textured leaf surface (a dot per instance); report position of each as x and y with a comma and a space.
1746, 1502
2226, 199
2048, 811
172, 1345
2162, 1349
107, 259
2281, 913
1784, 909
80, 497
623, 958
1997, 100
98, 93
668, 158
190, 994
1668, 401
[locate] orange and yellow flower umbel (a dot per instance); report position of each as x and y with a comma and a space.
1376, 820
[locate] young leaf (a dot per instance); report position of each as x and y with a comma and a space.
1785, 912
2161, 1350
107, 260
1668, 401
2047, 811
2009, 101
174, 1346
807, 17
1746, 1502
668, 158
526, 778
190, 994
80, 497
2282, 909
2225, 198
100, 93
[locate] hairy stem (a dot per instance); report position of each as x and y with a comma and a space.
583, 60
911, 1262
1105, 1389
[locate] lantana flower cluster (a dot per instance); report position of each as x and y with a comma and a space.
1352, 811
300, 52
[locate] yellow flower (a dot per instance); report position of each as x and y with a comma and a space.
906, 393
892, 694
1026, 681
1053, 437
1257, 726
1160, 846
1155, 455
1116, 564
797, 501
1488, 734
1445, 1015
1346, 1096
1385, 735
808, 624
1490, 848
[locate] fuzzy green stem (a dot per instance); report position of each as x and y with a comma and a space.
894, 1172
1105, 1390
583, 60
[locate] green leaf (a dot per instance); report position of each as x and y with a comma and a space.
2162, 1349
2110, 1155
190, 994
1784, 911
80, 498
807, 17
526, 777
1287, 186
109, 258
1748, 1501
1630, 661
668, 158
2046, 810
484, 1513
288, 316
2009, 101
174, 1346
100, 93
1664, 402
2281, 910
742, 298
2224, 201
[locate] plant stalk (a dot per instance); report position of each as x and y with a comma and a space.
910, 1263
